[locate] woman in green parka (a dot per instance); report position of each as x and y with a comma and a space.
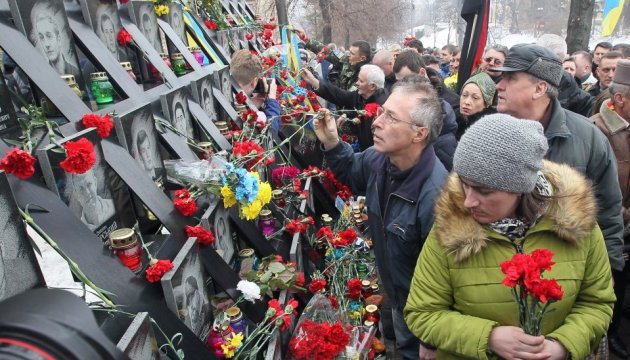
503, 198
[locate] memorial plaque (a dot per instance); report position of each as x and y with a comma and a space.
9, 127
175, 18
19, 270
202, 94
45, 24
185, 289
139, 341
103, 18
223, 82
96, 197
143, 15
175, 109
223, 38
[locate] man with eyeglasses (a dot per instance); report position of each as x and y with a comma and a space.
494, 56
529, 90
400, 177
605, 72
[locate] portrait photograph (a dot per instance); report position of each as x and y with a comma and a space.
175, 18
224, 242
102, 16
175, 108
136, 131
91, 196
235, 41
224, 41
202, 94
45, 24
19, 269
223, 80
143, 15
139, 341
185, 289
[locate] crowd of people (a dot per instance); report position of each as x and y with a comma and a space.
536, 142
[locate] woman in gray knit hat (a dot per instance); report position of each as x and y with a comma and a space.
501, 199
475, 101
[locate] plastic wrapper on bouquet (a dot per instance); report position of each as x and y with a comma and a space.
322, 332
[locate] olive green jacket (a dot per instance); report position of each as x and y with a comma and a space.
457, 297
343, 74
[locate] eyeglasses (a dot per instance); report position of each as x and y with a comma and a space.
390, 119
490, 59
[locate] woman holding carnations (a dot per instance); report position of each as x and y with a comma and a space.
503, 199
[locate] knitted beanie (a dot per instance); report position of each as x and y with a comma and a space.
502, 152
485, 83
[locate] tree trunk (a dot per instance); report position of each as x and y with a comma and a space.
326, 20
579, 25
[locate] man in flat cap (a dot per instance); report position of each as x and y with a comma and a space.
529, 90
613, 120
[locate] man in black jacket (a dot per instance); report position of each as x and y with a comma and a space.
370, 89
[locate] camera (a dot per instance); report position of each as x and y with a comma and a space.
260, 86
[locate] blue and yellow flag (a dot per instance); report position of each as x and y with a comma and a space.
611, 15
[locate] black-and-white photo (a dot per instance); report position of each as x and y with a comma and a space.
175, 108
19, 270
102, 16
143, 15
139, 341
202, 93
45, 24
224, 41
136, 130
176, 20
90, 195
235, 40
226, 84
185, 289
224, 242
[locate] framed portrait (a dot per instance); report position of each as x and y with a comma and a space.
136, 132
185, 289
102, 16
139, 341
143, 15
223, 38
225, 239
19, 270
235, 42
45, 24
175, 109
98, 197
175, 18
223, 82
203, 94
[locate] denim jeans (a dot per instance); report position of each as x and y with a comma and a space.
407, 344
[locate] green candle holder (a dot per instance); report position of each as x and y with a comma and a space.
178, 64
102, 89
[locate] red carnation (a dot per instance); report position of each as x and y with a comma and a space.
324, 231
371, 109
184, 202
317, 285
103, 124
333, 302
204, 237
124, 37
249, 151
19, 163
157, 269
241, 98
80, 156
542, 258
210, 24
285, 322
354, 289
249, 36
548, 289
299, 281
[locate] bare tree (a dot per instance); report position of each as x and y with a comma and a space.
579, 24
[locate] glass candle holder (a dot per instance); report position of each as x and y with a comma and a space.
127, 248
266, 222
102, 89
223, 128
196, 51
371, 313
126, 65
207, 149
366, 291
326, 220
237, 322
178, 64
217, 336
72, 83
278, 198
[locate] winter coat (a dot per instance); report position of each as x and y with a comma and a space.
573, 98
457, 296
399, 234
446, 142
463, 123
575, 141
349, 100
616, 130
343, 74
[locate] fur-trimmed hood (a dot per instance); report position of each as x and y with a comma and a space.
573, 211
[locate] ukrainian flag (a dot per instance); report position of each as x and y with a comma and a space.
612, 12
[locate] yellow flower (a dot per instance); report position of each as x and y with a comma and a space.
161, 10
229, 199
251, 211
255, 174
231, 345
264, 193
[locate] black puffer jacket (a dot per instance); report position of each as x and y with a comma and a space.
573, 98
447, 142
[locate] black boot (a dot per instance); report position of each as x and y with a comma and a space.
617, 346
